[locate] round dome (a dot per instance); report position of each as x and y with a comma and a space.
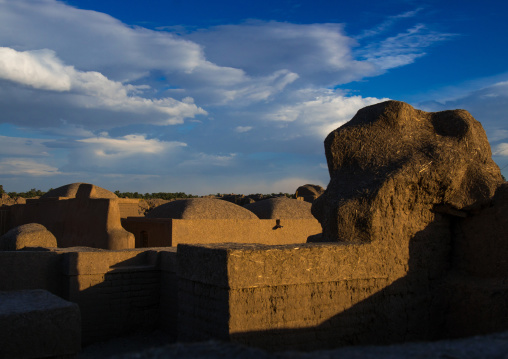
281, 207
310, 190
200, 208
70, 190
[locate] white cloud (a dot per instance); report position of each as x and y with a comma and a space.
18, 146
68, 130
97, 43
318, 53
501, 150
498, 135
403, 48
244, 90
321, 112
72, 74
117, 148
242, 129
39, 69
26, 167
133, 154
93, 40
43, 70
388, 23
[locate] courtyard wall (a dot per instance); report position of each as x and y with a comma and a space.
167, 232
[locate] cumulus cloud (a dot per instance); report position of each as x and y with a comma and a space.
321, 112
319, 53
102, 94
133, 153
128, 145
244, 90
41, 69
94, 41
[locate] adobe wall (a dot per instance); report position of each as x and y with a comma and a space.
31, 270
298, 296
4, 220
168, 306
307, 296
76, 221
118, 292
129, 207
479, 286
149, 232
152, 232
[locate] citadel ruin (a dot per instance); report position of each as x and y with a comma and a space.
408, 242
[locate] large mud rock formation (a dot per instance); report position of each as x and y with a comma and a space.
418, 195
394, 170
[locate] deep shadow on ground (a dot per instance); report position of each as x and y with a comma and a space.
150, 345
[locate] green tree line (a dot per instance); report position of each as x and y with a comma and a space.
159, 195
29, 194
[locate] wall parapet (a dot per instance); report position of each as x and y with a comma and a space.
153, 232
234, 265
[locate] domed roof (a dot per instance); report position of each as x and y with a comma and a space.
281, 207
310, 190
200, 208
70, 190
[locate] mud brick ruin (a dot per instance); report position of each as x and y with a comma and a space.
411, 245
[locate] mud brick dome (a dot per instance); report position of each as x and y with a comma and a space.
281, 207
201, 208
70, 190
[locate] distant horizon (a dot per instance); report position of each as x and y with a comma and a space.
163, 192
228, 97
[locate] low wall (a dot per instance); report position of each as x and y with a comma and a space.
152, 232
31, 270
168, 306
477, 306
306, 296
118, 292
300, 296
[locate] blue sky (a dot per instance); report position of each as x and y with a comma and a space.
228, 96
